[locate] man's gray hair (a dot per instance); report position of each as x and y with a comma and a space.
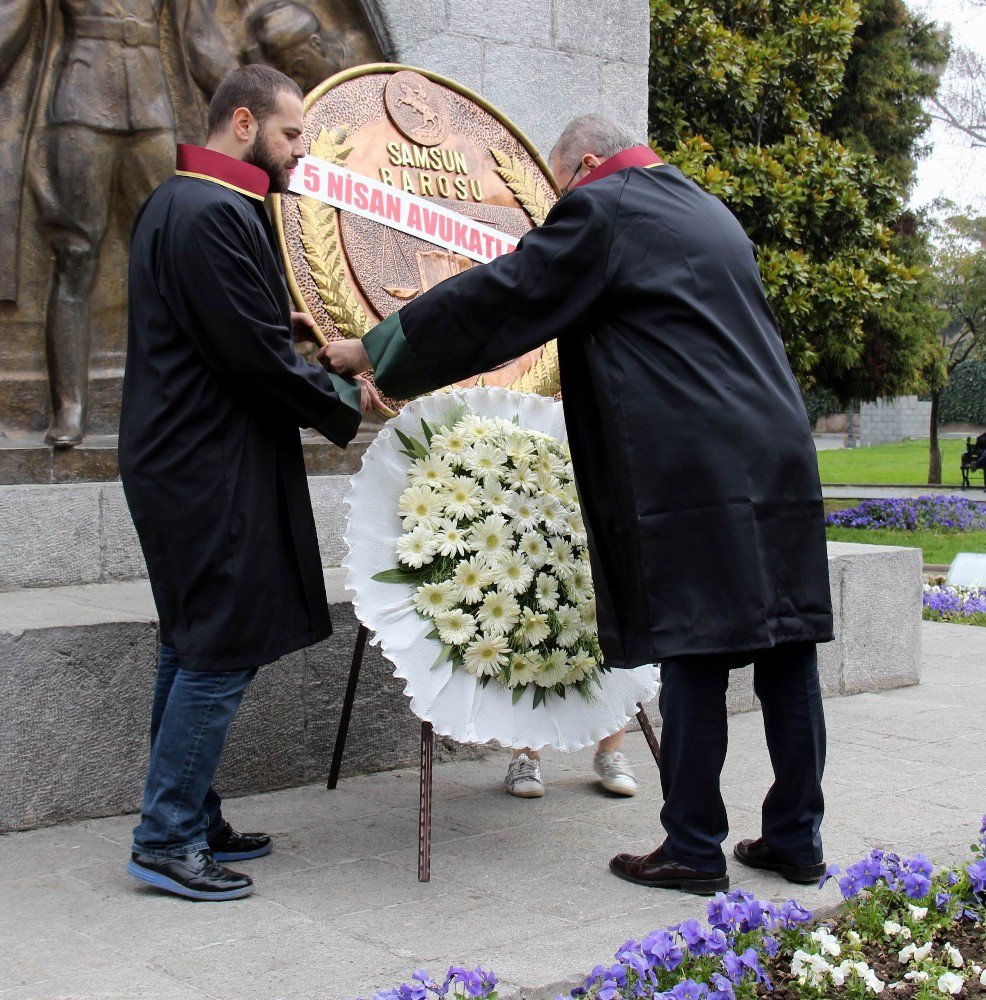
591, 134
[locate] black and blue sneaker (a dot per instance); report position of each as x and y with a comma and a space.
228, 845
194, 876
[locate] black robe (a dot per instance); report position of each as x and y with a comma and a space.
690, 442
210, 452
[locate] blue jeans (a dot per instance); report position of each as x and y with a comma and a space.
190, 716
693, 751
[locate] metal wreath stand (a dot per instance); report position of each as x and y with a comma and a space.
427, 754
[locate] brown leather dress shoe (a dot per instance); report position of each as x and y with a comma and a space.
756, 854
659, 872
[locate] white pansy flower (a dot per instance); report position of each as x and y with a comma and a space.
416, 548
485, 655
533, 628
546, 590
514, 573
450, 539
489, 536
484, 459
452, 442
828, 941
917, 976
982, 978
419, 505
873, 982
496, 497
918, 912
920, 954
498, 613
455, 627
905, 953
433, 470
523, 668
522, 478
891, 928
953, 955
950, 983
461, 498
569, 624
535, 548
853, 937
525, 514
432, 598
471, 576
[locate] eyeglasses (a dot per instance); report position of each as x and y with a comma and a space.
571, 180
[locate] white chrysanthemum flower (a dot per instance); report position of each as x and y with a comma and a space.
451, 443
553, 668
535, 548
471, 576
533, 628
478, 428
433, 598
588, 611
548, 484
485, 459
523, 669
522, 478
450, 539
498, 613
581, 665
432, 470
419, 505
562, 557
485, 655
575, 526
455, 627
519, 447
496, 497
578, 585
461, 499
490, 535
524, 512
569, 624
417, 547
514, 573
546, 591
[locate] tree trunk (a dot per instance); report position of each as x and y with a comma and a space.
934, 463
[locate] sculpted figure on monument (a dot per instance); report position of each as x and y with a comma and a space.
106, 133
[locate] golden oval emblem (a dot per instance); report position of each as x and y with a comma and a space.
410, 179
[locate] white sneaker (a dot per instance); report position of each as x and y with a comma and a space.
615, 773
524, 778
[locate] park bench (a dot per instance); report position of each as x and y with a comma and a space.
973, 459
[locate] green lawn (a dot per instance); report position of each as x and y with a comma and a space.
938, 548
901, 464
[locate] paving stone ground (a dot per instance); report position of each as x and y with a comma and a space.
519, 886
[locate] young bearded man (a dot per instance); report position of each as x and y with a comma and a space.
211, 462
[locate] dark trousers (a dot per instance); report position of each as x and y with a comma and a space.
190, 716
693, 751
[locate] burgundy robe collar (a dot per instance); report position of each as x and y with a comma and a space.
636, 156
209, 165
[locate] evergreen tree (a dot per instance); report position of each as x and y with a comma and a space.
742, 96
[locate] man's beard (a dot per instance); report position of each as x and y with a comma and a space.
260, 155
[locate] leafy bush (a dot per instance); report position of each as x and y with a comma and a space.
963, 400
820, 402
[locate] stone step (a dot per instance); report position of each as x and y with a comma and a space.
77, 669
74, 534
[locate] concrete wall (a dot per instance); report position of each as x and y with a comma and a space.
886, 421
540, 62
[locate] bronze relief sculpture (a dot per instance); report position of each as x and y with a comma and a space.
94, 95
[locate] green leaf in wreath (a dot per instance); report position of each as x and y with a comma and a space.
518, 693
433, 634
427, 431
539, 694
444, 655
411, 576
412, 446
